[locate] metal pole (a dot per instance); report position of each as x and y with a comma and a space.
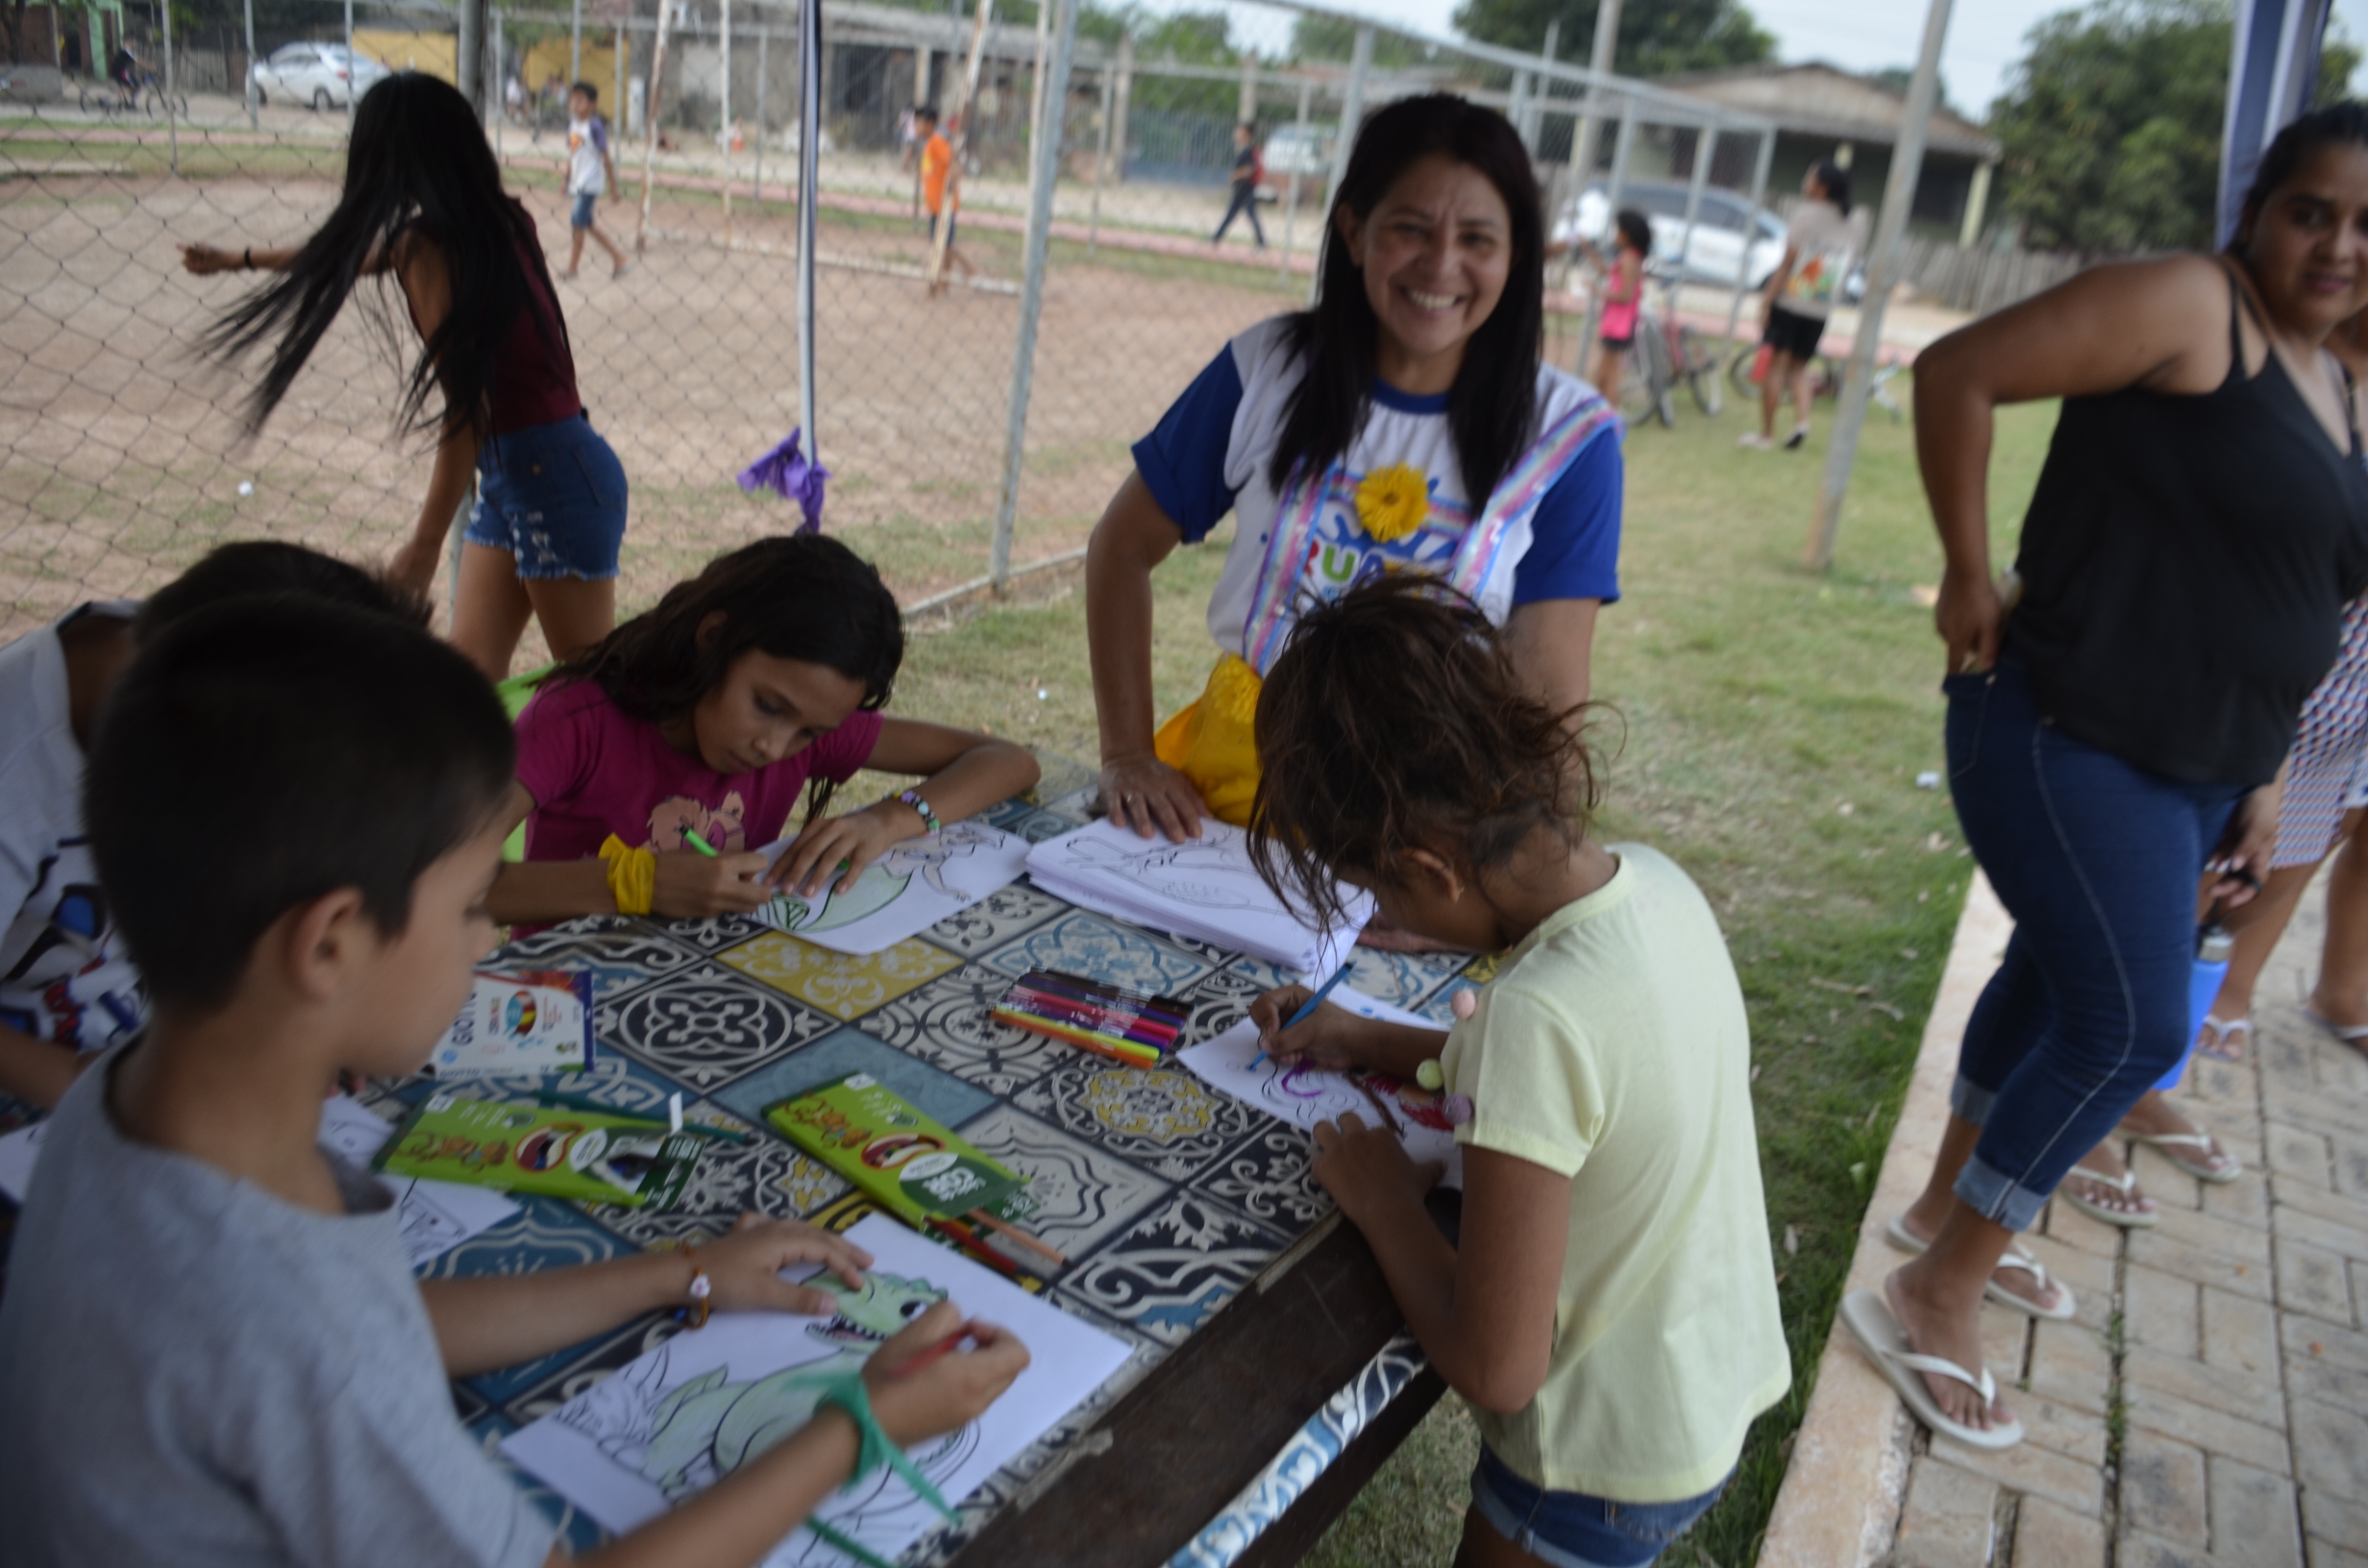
648, 122
469, 57
255, 117
1623, 145
1124, 96
1353, 110
349, 67
1291, 192
810, 193
1751, 226
1898, 195
756, 179
1705, 148
724, 133
1047, 148
496, 98
1101, 160
1599, 62
172, 129
1036, 90
574, 44
616, 60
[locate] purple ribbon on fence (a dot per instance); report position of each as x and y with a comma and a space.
785, 472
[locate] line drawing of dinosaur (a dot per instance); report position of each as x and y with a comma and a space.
884, 881
686, 1437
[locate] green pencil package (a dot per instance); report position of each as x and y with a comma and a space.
558, 1151
899, 1159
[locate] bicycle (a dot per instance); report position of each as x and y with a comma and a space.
109, 99
1825, 378
1665, 352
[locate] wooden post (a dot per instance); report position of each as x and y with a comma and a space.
1977, 201
648, 123
1898, 195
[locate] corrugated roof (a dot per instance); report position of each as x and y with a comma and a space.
1820, 100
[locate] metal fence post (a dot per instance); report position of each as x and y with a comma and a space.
1101, 160
756, 179
469, 55
1705, 148
1352, 110
1621, 147
1291, 192
1046, 162
172, 132
496, 100
1599, 66
255, 117
574, 44
1751, 226
809, 193
649, 121
724, 118
1898, 196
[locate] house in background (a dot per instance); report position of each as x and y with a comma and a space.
1822, 111
75, 38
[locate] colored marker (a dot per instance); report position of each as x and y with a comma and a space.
1307, 1010
980, 1216
938, 1352
690, 836
969, 1242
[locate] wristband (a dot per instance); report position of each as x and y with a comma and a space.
632, 875
928, 816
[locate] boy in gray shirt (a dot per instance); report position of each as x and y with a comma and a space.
213, 1349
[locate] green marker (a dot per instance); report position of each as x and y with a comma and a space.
692, 838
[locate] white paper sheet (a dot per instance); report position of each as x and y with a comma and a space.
1206, 889
1304, 1096
435, 1216
624, 1452
905, 892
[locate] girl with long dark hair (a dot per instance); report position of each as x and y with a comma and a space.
2118, 731
1404, 424
423, 201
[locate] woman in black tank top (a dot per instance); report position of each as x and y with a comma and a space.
2201, 521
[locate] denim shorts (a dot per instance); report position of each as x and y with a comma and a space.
552, 496
1571, 1530
582, 216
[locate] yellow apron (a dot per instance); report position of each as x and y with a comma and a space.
1211, 741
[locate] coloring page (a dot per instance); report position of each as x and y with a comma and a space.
1206, 889
436, 1216
683, 1416
1304, 1096
902, 893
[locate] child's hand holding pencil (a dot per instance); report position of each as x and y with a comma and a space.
922, 1383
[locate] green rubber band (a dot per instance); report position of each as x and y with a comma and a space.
848, 1544
874, 1448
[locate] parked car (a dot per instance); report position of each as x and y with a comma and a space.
1724, 226
324, 75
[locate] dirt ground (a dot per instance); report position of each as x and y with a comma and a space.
121, 454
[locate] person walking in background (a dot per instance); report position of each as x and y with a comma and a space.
591, 174
1249, 172
423, 199
2201, 522
1820, 246
937, 181
1623, 295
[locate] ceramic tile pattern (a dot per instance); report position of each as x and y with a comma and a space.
1168, 1199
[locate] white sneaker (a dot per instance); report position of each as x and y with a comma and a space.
1754, 441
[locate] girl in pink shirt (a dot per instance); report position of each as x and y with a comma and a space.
759, 679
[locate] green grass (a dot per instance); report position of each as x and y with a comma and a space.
1764, 726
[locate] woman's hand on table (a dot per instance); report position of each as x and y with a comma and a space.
690, 886
849, 843
1967, 615
2241, 860
952, 1390
744, 1265
1142, 793
1368, 1170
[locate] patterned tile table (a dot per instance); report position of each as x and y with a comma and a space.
1168, 1199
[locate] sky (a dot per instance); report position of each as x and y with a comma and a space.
1984, 40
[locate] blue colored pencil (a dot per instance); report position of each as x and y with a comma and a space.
1307, 1009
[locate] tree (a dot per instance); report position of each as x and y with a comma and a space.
1657, 38
1899, 78
2111, 124
1327, 37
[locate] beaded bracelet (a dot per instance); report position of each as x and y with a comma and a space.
928, 814
702, 1292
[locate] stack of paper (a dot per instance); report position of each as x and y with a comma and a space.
1206, 889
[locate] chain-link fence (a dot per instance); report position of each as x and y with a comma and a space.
121, 457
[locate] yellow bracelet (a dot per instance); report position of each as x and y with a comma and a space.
632, 875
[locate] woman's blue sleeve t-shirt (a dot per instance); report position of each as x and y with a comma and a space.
1574, 545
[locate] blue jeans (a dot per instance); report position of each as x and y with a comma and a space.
580, 215
2097, 860
552, 497
1571, 1530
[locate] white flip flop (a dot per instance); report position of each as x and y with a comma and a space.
2065, 1308
2171, 1142
2125, 1184
1879, 1334
2353, 1035
2224, 1032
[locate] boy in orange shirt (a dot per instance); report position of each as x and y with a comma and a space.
936, 168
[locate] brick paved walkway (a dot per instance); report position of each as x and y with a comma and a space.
2209, 1405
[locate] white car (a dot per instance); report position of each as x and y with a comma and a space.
324, 75
1724, 226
